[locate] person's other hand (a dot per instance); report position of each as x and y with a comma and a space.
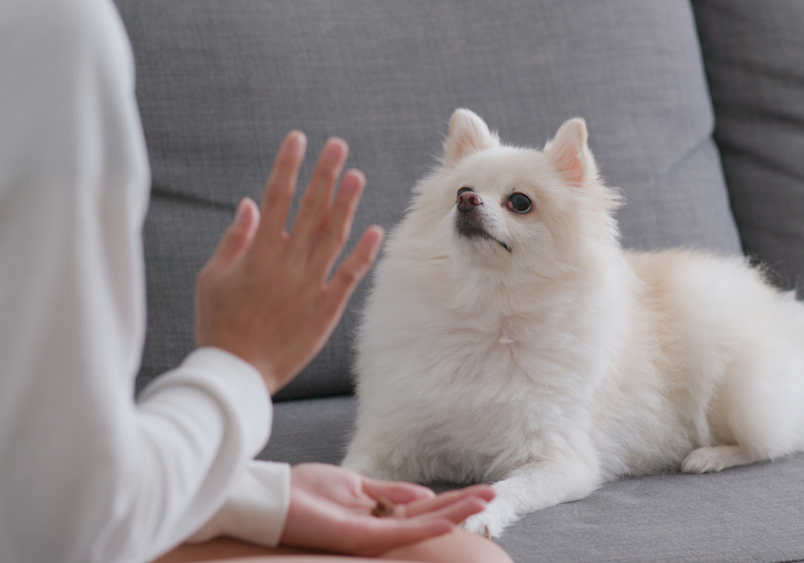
266, 295
330, 510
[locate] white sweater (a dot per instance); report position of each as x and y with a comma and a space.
85, 473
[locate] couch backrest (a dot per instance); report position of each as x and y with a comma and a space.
754, 58
219, 84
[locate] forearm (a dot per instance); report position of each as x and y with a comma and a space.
197, 428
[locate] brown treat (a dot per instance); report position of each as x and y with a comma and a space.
383, 509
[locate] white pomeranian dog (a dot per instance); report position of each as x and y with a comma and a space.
510, 338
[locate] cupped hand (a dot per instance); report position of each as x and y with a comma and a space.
266, 295
330, 510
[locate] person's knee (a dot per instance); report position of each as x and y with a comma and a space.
458, 545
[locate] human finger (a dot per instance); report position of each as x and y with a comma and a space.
316, 202
396, 492
456, 512
353, 270
237, 236
382, 535
281, 185
338, 225
395, 532
484, 493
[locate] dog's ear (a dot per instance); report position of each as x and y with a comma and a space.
569, 152
468, 134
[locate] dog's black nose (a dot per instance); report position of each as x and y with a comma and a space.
468, 201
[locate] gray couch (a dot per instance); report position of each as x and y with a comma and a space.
695, 110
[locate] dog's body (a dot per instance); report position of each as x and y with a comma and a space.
513, 340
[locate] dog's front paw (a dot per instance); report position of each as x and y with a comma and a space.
488, 523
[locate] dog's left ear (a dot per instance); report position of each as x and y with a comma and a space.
468, 134
569, 152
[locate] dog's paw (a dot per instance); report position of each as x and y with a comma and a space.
487, 524
710, 460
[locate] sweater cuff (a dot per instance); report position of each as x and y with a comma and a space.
231, 380
257, 508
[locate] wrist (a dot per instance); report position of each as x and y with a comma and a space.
244, 363
272, 383
264, 368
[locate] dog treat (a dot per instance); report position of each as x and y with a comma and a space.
383, 509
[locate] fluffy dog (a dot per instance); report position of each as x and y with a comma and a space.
510, 338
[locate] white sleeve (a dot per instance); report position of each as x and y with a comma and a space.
87, 474
257, 508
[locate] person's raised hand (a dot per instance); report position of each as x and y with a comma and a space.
266, 295
331, 510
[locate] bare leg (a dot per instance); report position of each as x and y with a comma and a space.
220, 549
456, 546
459, 545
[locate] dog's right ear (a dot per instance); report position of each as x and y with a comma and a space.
468, 134
570, 154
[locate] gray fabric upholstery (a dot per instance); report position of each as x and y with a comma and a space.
311, 430
754, 58
219, 83
742, 515
745, 514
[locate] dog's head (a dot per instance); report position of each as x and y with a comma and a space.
512, 209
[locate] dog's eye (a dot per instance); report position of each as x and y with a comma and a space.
464, 190
519, 203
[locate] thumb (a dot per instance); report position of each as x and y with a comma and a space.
239, 234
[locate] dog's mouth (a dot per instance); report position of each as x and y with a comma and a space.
470, 228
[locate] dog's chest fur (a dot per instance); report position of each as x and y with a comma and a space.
472, 392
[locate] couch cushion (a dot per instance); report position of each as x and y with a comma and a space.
219, 84
754, 57
744, 514
311, 430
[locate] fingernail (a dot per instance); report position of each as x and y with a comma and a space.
374, 237
334, 150
296, 142
351, 183
241, 213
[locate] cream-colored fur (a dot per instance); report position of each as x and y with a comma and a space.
540, 355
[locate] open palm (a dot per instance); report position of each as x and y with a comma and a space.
330, 509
